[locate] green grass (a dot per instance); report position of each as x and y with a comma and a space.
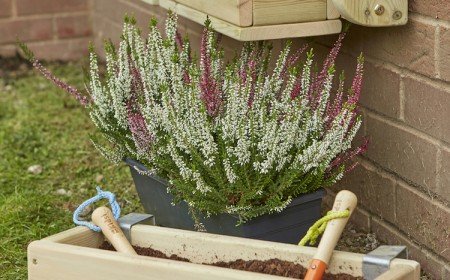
42, 125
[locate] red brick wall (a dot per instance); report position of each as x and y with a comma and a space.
53, 29
403, 181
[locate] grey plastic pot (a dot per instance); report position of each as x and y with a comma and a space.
286, 227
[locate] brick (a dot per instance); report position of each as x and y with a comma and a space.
115, 10
73, 26
361, 219
402, 152
5, 8
33, 7
423, 220
388, 44
438, 9
143, 4
444, 53
104, 29
375, 192
8, 50
410, 46
66, 50
381, 90
429, 262
26, 30
444, 176
381, 86
427, 108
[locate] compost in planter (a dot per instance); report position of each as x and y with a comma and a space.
273, 266
286, 227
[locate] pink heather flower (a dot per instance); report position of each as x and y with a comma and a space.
62, 85
179, 40
357, 82
334, 109
292, 60
210, 91
252, 70
181, 46
349, 155
319, 80
137, 87
296, 89
139, 131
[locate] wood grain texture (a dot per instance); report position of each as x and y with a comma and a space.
362, 12
78, 236
345, 200
269, 12
237, 12
332, 12
51, 260
104, 219
255, 33
151, 2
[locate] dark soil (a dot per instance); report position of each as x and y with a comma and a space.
272, 266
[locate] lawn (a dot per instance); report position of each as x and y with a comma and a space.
41, 125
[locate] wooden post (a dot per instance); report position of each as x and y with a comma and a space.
373, 12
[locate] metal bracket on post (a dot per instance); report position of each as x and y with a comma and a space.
373, 12
128, 221
378, 261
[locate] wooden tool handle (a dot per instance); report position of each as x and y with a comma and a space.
104, 219
344, 200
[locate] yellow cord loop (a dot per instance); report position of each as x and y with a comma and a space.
319, 227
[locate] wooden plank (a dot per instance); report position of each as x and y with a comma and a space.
50, 260
54, 261
269, 12
237, 12
363, 12
151, 2
254, 33
332, 12
79, 236
399, 272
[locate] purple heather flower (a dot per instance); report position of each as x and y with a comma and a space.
349, 155
64, 86
252, 70
139, 131
318, 80
210, 91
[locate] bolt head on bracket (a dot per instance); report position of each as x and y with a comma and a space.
373, 12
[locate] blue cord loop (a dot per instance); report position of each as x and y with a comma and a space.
100, 195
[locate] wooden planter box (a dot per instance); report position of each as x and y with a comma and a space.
73, 255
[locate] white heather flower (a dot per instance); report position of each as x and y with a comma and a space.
231, 176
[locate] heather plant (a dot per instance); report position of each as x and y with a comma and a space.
230, 137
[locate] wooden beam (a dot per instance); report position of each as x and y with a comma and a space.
255, 33
151, 2
269, 12
237, 12
373, 12
332, 12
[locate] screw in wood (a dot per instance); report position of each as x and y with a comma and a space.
367, 12
379, 9
397, 15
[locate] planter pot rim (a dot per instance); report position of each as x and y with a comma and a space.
303, 198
